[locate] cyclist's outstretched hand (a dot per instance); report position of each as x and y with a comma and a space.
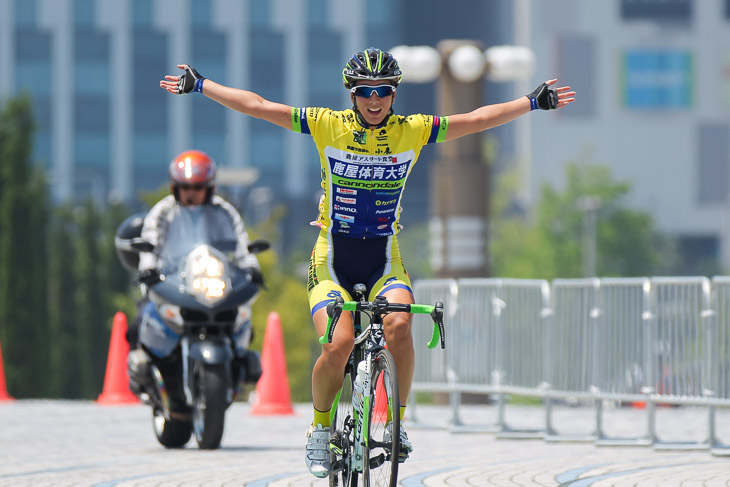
546, 97
184, 83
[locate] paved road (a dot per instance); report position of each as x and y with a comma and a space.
49, 443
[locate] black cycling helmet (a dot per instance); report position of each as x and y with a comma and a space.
371, 64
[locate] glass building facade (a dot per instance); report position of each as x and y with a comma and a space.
107, 131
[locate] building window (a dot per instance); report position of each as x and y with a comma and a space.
577, 64
83, 11
659, 10
700, 255
714, 159
200, 13
25, 13
142, 13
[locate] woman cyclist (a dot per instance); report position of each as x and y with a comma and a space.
366, 154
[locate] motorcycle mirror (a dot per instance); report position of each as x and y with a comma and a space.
258, 246
141, 245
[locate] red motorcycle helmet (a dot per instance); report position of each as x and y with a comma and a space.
192, 167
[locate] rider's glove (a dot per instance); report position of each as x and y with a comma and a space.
149, 277
544, 98
190, 81
256, 276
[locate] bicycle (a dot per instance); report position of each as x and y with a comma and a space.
366, 404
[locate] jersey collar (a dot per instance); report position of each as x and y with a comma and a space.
363, 123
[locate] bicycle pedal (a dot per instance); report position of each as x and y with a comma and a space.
375, 462
338, 465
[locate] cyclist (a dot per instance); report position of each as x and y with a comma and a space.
366, 154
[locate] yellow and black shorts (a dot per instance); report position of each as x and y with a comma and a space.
338, 263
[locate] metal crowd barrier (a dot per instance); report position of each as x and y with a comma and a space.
718, 379
570, 348
641, 341
433, 372
680, 306
621, 357
522, 318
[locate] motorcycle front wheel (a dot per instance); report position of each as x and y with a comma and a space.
209, 405
171, 433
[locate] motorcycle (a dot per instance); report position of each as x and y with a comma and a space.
193, 357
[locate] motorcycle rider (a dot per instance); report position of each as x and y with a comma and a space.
192, 185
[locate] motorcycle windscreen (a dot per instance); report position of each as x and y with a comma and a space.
193, 226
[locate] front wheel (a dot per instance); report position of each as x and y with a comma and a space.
342, 424
383, 445
171, 433
209, 405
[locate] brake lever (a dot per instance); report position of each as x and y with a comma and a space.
437, 315
334, 310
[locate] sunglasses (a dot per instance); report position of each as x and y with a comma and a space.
367, 91
192, 187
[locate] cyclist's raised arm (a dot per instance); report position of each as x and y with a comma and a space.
246, 102
489, 116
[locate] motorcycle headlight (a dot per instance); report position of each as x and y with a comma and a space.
206, 274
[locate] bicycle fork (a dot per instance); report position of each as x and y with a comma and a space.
361, 433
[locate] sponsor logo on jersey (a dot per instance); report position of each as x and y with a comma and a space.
382, 227
344, 218
370, 184
345, 209
385, 203
346, 191
347, 201
382, 212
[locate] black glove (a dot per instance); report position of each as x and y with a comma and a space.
190, 81
544, 98
149, 277
256, 276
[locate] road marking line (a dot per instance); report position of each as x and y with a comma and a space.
417, 480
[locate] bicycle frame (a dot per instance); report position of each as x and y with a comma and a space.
368, 343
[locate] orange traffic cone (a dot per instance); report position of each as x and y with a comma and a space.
380, 410
272, 391
116, 383
4, 396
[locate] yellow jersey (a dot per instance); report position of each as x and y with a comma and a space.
364, 170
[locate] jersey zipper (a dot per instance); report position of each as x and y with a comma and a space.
371, 149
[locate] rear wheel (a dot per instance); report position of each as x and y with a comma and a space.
342, 424
381, 457
209, 405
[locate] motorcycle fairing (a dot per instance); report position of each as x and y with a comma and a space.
154, 334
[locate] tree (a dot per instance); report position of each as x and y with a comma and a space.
287, 295
66, 364
627, 243
91, 297
22, 259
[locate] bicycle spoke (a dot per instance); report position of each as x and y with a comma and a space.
340, 449
381, 468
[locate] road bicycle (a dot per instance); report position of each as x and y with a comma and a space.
368, 402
